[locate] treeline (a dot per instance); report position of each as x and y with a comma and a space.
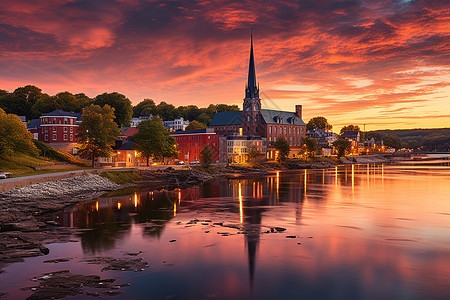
422, 139
29, 101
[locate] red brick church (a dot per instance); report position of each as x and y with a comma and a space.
255, 121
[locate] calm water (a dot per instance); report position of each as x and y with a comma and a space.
361, 232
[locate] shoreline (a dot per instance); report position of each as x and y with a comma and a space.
25, 213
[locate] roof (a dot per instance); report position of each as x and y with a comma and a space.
130, 131
125, 146
350, 134
227, 118
61, 113
196, 131
281, 117
23, 118
34, 124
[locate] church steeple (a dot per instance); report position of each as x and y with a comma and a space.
251, 90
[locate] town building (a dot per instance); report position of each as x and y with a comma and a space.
191, 143
176, 125
58, 129
33, 127
265, 123
135, 121
237, 148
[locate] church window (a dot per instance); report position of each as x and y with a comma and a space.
270, 129
275, 129
248, 118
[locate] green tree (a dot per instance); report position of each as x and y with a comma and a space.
145, 107
413, 144
83, 100
318, 122
153, 140
349, 128
122, 105
342, 146
309, 146
393, 141
206, 156
97, 132
21, 100
253, 153
283, 148
193, 125
165, 111
14, 136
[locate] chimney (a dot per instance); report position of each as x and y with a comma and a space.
298, 110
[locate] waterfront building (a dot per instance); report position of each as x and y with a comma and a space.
176, 125
264, 123
191, 143
236, 148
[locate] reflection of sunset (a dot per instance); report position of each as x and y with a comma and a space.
375, 228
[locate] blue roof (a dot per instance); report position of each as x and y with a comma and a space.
61, 113
281, 117
34, 124
269, 116
227, 118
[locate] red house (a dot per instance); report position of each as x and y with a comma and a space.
191, 143
59, 127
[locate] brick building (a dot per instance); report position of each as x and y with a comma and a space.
191, 143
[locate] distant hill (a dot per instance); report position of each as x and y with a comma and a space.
435, 139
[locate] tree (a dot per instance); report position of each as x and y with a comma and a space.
413, 144
165, 111
253, 153
309, 146
145, 107
21, 100
342, 146
349, 128
206, 156
193, 125
14, 136
393, 141
153, 140
283, 148
318, 122
122, 105
97, 132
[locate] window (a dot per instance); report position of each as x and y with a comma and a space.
71, 137
301, 130
285, 130
54, 137
54, 129
46, 137
275, 129
65, 137
270, 129
65, 120
65, 129
290, 129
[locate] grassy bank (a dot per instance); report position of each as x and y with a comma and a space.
122, 177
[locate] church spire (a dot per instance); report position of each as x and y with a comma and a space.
252, 90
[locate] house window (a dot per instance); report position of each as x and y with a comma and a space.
65, 137
71, 137
71, 129
54, 137
46, 137
301, 130
275, 129
65, 120
65, 129
285, 130
54, 129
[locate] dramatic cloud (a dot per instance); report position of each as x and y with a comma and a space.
378, 63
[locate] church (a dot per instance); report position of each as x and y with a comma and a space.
253, 120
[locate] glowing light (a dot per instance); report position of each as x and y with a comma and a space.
96, 205
174, 209
241, 207
353, 180
119, 205
179, 196
135, 200
305, 180
240, 131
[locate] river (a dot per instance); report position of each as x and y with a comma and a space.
350, 232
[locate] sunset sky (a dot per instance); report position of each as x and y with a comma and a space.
383, 63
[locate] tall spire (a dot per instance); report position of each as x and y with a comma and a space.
252, 90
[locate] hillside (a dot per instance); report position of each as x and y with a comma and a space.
435, 139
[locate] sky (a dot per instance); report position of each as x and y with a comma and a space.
385, 64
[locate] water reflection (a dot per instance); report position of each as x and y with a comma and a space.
363, 232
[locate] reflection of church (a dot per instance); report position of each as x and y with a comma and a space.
255, 121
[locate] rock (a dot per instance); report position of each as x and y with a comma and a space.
44, 249
59, 260
291, 237
280, 229
171, 241
51, 223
